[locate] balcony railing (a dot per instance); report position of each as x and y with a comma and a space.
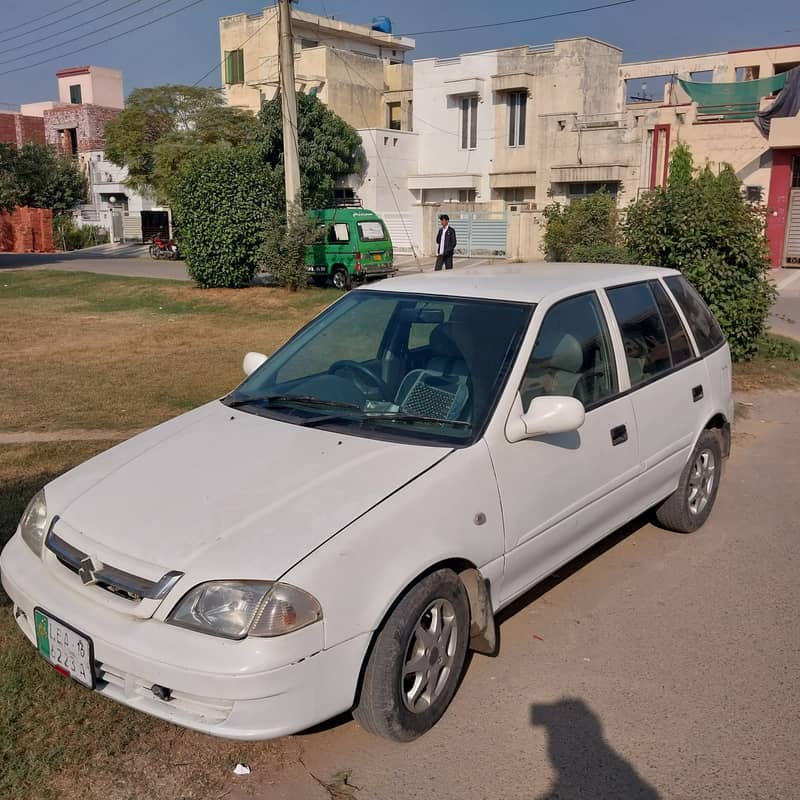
729, 112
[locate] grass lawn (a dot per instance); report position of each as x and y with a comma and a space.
98, 352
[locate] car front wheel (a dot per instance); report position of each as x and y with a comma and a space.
417, 659
689, 506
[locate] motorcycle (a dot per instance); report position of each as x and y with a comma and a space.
163, 248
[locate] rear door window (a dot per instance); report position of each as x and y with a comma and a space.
371, 231
647, 350
705, 327
679, 345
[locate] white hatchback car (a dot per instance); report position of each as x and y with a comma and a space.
341, 528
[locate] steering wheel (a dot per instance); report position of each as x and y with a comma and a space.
373, 381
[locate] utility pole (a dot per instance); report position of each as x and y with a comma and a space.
291, 161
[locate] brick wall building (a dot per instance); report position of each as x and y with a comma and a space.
26, 230
75, 129
19, 129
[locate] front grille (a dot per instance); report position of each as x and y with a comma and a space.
93, 572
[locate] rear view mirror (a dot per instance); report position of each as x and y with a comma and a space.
546, 415
252, 361
431, 316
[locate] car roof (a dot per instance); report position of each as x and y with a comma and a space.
532, 282
343, 212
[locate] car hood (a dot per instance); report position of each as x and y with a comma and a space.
219, 493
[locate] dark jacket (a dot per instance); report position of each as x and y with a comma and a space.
449, 243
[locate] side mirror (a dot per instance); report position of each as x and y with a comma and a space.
546, 415
252, 361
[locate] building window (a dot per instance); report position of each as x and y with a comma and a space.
466, 195
411, 115
75, 96
393, 116
305, 44
234, 66
517, 107
754, 194
577, 191
469, 123
520, 194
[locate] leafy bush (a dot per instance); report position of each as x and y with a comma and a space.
70, 236
584, 230
703, 227
283, 251
220, 204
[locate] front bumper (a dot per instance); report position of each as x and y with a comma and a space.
251, 689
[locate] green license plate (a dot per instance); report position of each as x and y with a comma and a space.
67, 650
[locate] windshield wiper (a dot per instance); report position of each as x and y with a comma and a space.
402, 416
297, 399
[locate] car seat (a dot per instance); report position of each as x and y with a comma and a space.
441, 389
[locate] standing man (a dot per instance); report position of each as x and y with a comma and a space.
445, 244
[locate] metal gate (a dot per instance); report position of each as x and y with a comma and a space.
791, 252
401, 229
480, 233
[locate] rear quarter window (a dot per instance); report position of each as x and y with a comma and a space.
705, 327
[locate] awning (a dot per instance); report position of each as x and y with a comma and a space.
455, 181
513, 82
578, 173
512, 180
738, 100
463, 86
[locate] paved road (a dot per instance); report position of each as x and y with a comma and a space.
662, 666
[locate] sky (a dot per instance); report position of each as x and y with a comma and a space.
183, 47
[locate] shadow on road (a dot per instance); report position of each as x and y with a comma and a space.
586, 766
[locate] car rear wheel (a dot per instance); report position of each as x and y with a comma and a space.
341, 279
416, 661
689, 506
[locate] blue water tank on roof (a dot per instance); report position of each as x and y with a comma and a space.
382, 24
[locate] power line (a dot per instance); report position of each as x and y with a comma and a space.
44, 16
88, 33
107, 39
55, 22
517, 21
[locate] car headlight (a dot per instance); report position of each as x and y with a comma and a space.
235, 609
33, 524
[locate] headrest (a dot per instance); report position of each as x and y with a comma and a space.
568, 354
442, 344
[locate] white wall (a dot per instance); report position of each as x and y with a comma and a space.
391, 158
437, 117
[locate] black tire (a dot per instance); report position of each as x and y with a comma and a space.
153, 250
341, 279
384, 703
689, 506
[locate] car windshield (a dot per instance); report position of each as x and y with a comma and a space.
407, 367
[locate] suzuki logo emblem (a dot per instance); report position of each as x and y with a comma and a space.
88, 570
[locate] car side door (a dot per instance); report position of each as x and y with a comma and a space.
669, 384
560, 493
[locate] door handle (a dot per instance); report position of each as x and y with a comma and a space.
697, 393
619, 435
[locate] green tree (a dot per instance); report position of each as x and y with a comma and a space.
220, 205
36, 175
703, 227
164, 126
681, 167
585, 230
328, 148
